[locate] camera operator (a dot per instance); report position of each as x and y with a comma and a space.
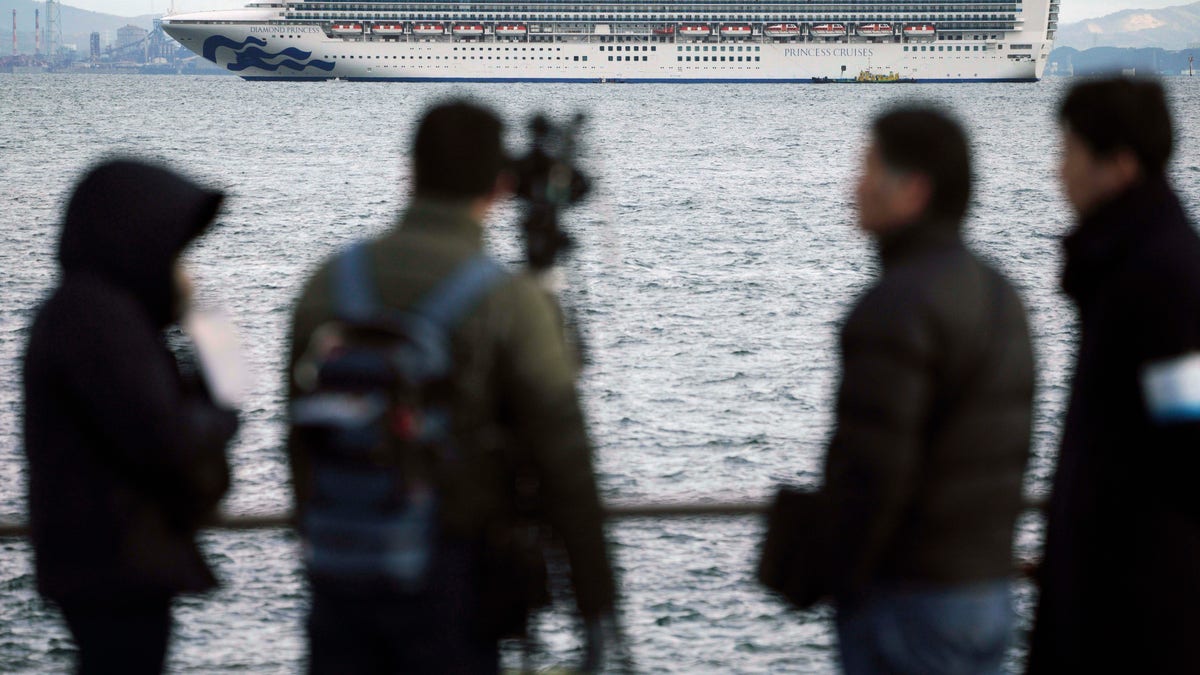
442, 600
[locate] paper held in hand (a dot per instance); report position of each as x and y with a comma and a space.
220, 357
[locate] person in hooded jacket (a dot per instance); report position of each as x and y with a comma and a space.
1120, 578
126, 456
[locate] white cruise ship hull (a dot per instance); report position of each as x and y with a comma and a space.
258, 44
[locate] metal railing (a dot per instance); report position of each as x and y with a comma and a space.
229, 522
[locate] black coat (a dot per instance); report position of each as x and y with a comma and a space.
124, 458
924, 471
1120, 581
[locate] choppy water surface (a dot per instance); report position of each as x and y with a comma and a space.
716, 260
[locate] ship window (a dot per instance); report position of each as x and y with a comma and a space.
653, 48
585, 58
758, 58
610, 58
576, 57
678, 58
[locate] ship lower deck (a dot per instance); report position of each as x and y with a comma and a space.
275, 51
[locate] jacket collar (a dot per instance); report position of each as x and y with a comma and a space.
443, 219
1105, 237
920, 236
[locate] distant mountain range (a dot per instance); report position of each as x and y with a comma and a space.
1170, 28
1104, 60
77, 24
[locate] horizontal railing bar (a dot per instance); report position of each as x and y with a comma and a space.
273, 521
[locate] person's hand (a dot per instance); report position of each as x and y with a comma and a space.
605, 650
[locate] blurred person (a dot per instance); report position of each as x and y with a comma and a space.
924, 471
126, 454
408, 511
1120, 578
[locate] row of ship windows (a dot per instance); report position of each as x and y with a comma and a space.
455, 58
722, 58
453, 14
674, 6
717, 48
511, 49
952, 48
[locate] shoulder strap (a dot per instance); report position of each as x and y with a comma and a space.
353, 294
355, 298
450, 300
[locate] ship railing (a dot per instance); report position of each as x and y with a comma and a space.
612, 512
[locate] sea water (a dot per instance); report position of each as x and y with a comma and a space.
717, 256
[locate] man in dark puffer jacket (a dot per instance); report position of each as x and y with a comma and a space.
1120, 582
125, 457
924, 472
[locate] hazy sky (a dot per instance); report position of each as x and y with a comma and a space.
1072, 10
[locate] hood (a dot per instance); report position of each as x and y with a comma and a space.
127, 222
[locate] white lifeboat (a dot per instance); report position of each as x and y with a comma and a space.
346, 29
428, 29
695, 31
467, 29
829, 30
875, 29
920, 30
511, 30
782, 30
736, 30
388, 29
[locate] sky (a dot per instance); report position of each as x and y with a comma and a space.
1072, 10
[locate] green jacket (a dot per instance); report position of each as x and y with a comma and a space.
513, 390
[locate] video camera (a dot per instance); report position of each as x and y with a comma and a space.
548, 181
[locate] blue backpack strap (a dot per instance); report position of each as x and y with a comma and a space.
448, 302
354, 296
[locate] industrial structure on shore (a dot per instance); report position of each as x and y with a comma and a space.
133, 48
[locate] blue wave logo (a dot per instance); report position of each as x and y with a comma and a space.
251, 55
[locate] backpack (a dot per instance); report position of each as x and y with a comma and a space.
374, 425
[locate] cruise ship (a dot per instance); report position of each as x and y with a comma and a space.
814, 41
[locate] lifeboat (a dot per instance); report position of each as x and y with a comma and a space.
346, 29
920, 30
782, 30
467, 30
829, 30
428, 29
695, 31
736, 30
875, 29
664, 30
511, 30
388, 29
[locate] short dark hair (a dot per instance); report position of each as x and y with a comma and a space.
1121, 113
458, 152
925, 140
